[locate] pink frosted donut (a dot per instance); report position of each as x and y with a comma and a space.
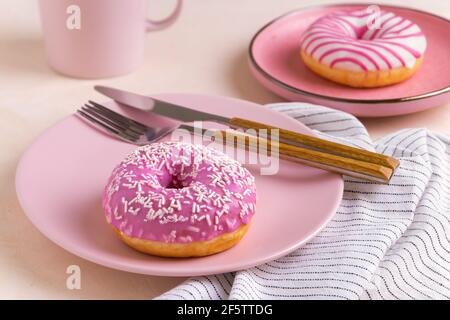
348, 48
179, 200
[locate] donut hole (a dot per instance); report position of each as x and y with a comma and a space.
360, 33
176, 183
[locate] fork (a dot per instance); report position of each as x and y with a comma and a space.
134, 132
124, 128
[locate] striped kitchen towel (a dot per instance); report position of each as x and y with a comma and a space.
385, 241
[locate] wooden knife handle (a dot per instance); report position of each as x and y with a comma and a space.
313, 158
295, 138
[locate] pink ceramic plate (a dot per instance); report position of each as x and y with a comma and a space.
60, 178
275, 62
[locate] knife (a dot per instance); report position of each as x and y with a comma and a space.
185, 114
159, 107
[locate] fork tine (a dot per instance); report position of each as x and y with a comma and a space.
101, 120
96, 122
118, 120
103, 126
112, 122
121, 126
118, 116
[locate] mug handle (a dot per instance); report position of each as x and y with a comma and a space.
152, 25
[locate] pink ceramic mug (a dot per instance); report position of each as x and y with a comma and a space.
97, 38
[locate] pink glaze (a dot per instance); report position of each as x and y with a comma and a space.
343, 40
178, 192
275, 63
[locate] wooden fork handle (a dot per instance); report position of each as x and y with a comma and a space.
313, 158
294, 138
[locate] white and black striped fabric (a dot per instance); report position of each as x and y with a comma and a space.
385, 241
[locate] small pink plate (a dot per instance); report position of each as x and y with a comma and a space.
60, 178
275, 62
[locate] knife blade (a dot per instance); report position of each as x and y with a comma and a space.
162, 108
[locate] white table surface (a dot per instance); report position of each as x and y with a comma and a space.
204, 52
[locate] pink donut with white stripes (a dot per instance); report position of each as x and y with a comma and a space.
351, 48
